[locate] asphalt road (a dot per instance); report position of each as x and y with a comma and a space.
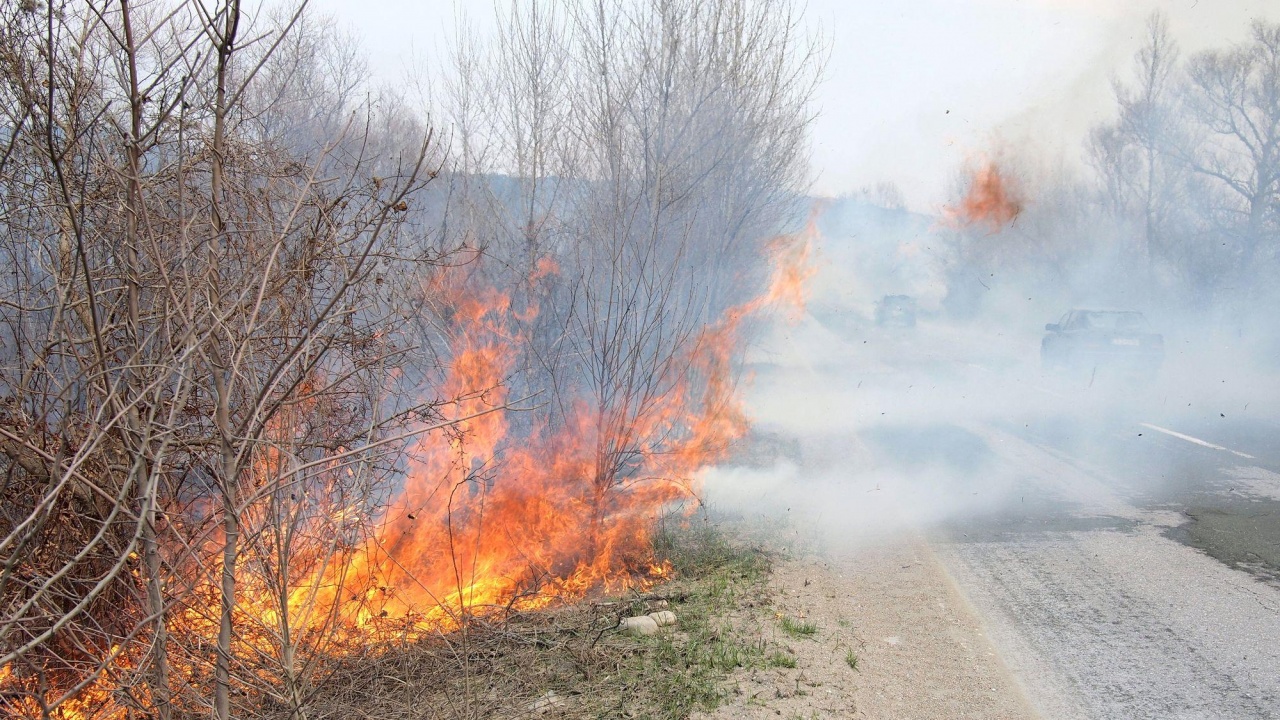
1120, 538
1097, 595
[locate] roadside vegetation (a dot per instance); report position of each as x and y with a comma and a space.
851, 659
298, 372
571, 662
1173, 203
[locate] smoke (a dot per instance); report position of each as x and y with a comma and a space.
862, 429
1102, 191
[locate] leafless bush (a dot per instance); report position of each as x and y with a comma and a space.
202, 313
651, 148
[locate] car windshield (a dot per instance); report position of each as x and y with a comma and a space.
1121, 321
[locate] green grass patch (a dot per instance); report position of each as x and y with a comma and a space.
779, 659
682, 672
798, 628
851, 659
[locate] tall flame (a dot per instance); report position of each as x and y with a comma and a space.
493, 520
793, 269
499, 514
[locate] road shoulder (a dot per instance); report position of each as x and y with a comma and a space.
892, 609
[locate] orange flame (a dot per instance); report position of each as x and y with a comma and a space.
517, 521
991, 201
503, 515
93, 700
793, 269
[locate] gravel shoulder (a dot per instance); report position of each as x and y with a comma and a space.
891, 607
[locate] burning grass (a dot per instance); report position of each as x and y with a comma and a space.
567, 661
495, 520
526, 516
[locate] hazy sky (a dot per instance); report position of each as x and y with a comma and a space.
913, 87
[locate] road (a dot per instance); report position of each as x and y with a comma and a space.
1120, 540
1097, 601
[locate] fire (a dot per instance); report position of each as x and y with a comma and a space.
991, 201
504, 511
503, 518
82, 703
793, 268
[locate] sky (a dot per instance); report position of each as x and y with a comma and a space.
913, 88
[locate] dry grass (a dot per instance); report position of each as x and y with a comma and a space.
567, 662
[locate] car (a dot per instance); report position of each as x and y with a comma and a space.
1111, 339
896, 310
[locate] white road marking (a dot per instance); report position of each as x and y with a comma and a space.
1197, 441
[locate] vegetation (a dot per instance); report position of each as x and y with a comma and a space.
290, 377
571, 652
782, 660
1179, 207
798, 628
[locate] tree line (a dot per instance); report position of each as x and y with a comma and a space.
1180, 207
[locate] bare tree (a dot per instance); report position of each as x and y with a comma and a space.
1137, 155
222, 252
1189, 169
1235, 96
196, 404
653, 148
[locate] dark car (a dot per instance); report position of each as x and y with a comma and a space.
896, 310
1121, 339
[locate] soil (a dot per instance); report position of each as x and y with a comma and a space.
920, 650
